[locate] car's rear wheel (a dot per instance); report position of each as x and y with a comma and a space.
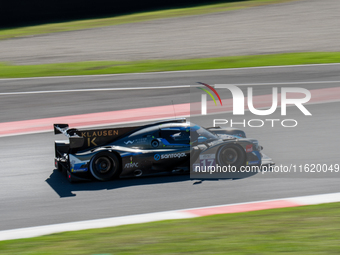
105, 166
231, 155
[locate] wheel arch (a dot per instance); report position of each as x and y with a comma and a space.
112, 157
232, 144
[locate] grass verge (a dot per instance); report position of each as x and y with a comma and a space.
131, 18
114, 67
301, 230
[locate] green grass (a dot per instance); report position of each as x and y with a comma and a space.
131, 18
301, 230
114, 67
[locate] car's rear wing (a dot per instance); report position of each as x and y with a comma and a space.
63, 129
87, 139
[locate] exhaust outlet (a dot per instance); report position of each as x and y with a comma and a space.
138, 173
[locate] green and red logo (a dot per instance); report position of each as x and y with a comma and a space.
204, 96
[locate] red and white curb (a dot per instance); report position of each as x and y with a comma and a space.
168, 215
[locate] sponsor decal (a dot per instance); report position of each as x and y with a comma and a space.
131, 165
173, 155
89, 134
91, 141
80, 167
77, 165
249, 148
140, 140
93, 135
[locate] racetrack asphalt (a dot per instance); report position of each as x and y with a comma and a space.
47, 105
33, 193
298, 26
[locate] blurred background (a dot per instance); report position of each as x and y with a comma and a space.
21, 13
93, 63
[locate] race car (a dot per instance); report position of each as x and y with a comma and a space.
168, 146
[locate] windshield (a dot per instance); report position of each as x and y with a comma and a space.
197, 131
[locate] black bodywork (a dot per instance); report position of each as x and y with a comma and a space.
161, 147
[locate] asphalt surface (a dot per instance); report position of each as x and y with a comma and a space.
34, 106
33, 193
307, 25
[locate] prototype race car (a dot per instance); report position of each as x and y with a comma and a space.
162, 147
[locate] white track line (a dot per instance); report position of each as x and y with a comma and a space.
91, 224
170, 72
91, 90
150, 217
160, 87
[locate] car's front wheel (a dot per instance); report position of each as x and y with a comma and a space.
104, 166
231, 155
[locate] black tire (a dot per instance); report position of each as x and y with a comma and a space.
231, 154
105, 166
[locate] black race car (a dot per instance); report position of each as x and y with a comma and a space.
162, 147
